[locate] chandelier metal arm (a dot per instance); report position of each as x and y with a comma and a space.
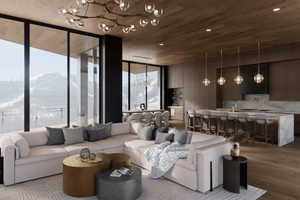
108, 10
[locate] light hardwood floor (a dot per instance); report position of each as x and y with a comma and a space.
274, 169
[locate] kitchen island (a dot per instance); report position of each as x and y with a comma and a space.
285, 122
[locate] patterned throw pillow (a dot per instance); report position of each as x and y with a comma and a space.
107, 126
73, 135
56, 136
145, 133
95, 134
163, 137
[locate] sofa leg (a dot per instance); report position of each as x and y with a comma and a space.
211, 179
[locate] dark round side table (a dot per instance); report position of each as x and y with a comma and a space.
234, 173
119, 188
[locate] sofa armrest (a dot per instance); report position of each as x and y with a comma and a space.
211, 154
8, 152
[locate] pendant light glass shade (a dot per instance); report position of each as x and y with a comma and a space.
258, 78
221, 80
238, 79
206, 81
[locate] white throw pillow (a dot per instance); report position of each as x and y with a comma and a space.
21, 144
137, 126
36, 137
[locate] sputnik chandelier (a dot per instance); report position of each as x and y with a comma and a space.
114, 15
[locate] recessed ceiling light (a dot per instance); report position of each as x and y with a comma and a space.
208, 30
276, 9
161, 44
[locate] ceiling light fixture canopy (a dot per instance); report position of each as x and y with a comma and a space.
206, 81
114, 15
258, 78
238, 79
221, 80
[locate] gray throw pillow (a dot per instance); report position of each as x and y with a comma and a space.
180, 137
145, 133
107, 127
56, 136
73, 135
85, 134
163, 137
95, 134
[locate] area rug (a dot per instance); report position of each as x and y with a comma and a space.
50, 188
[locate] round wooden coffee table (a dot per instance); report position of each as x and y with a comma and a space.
79, 177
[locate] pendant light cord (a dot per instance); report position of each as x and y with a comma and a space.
205, 65
222, 62
259, 52
239, 60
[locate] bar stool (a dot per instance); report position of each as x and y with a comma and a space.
210, 122
222, 120
242, 122
190, 119
264, 122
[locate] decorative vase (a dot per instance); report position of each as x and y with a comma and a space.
235, 151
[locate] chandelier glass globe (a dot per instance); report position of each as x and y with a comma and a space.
158, 12
206, 82
124, 5
238, 79
221, 80
143, 22
149, 8
258, 78
154, 21
105, 28
126, 30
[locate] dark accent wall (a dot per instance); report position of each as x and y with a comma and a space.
112, 79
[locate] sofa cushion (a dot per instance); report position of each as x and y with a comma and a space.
22, 146
42, 153
107, 127
36, 137
55, 136
73, 135
137, 144
137, 126
111, 142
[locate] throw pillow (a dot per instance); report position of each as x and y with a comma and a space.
95, 134
21, 145
85, 134
56, 136
163, 129
163, 137
73, 135
107, 126
136, 126
180, 137
145, 133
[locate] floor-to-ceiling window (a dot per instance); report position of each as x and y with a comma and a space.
125, 88
153, 87
137, 85
84, 75
11, 76
43, 71
48, 77
143, 85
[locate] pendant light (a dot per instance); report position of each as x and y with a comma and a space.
238, 79
221, 80
206, 81
258, 78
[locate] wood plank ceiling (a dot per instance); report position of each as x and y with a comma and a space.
182, 29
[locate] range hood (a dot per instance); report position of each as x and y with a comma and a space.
249, 86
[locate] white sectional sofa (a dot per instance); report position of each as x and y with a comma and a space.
45, 160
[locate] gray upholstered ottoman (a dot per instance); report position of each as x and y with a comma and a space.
122, 188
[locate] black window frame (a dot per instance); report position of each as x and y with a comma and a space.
161, 69
68, 31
